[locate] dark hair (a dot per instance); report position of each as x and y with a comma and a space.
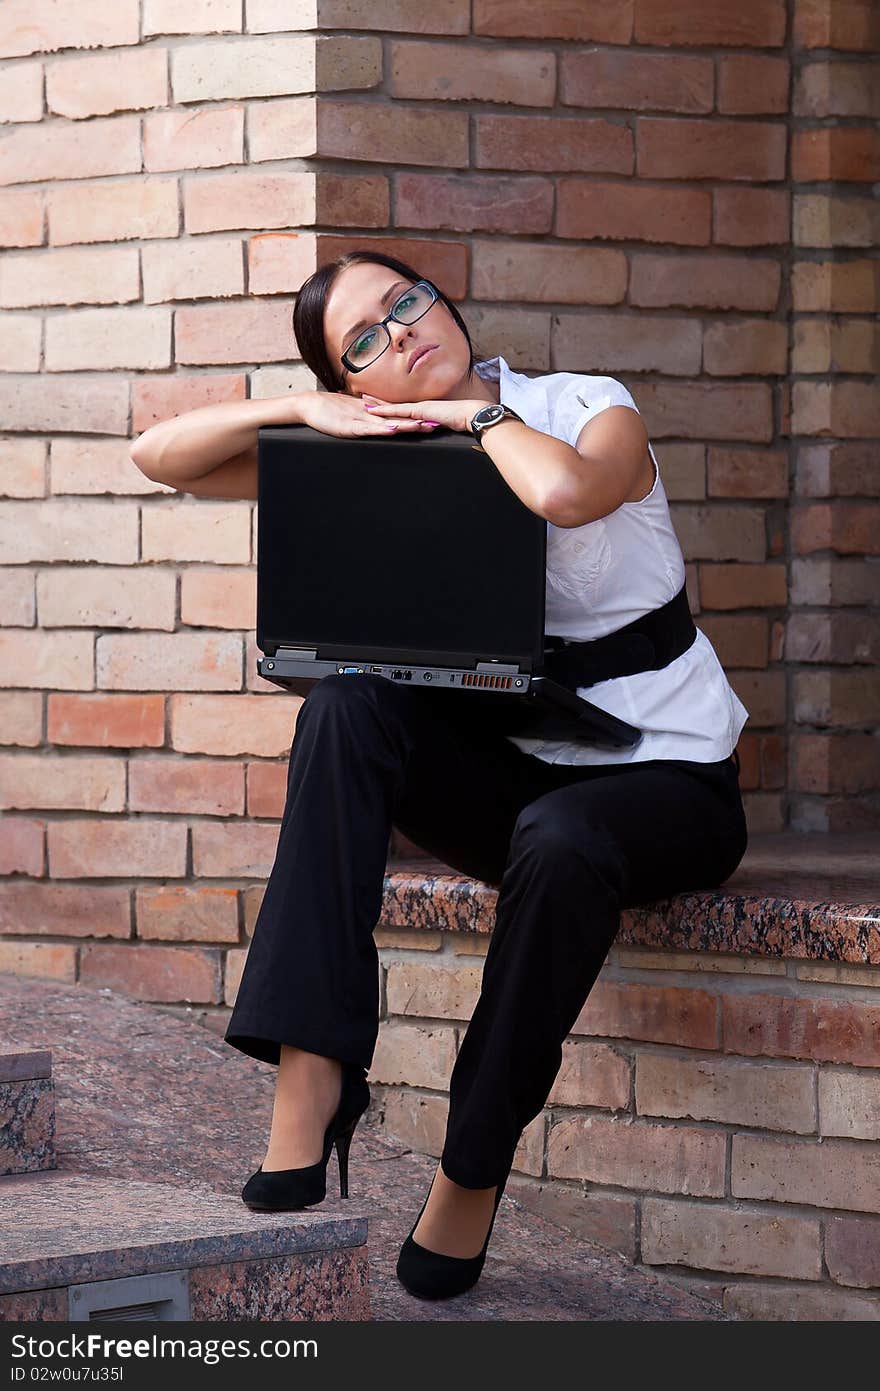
308, 313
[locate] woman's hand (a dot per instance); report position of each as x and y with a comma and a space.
338, 413
455, 415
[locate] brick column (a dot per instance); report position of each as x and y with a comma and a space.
832, 640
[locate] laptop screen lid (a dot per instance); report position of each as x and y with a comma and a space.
402, 548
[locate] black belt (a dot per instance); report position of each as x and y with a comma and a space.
646, 644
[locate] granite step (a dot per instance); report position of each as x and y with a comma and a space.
161, 1104
85, 1248
27, 1110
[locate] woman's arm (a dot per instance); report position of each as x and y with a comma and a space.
219, 440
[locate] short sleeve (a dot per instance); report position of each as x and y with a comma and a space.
580, 399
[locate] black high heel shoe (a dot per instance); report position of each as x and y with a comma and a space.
431, 1275
289, 1190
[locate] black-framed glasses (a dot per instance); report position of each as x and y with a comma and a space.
371, 342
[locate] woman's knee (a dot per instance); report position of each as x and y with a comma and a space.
556, 840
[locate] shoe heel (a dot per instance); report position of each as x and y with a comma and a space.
343, 1143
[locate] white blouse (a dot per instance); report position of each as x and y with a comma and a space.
604, 574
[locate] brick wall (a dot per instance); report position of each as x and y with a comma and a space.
716, 1117
676, 194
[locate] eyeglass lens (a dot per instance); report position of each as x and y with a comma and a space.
413, 303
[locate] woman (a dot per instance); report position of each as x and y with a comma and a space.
569, 833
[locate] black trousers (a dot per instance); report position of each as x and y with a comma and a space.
566, 846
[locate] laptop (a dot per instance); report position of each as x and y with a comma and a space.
409, 556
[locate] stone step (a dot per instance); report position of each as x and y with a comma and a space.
87, 1248
27, 1110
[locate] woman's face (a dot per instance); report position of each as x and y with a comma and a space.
362, 295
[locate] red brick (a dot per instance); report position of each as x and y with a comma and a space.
108, 721
346, 200
844, 24
21, 93
33, 26
749, 347
18, 597
826, 580
119, 210
233, 849
218, 598
763, 694
153, 972
250, 330
687, 1017
836, 697
266, 789
707, 411
751, 23
64, 910
752, 85
852, 1250
96, 596
104, 83
102, 847
58, 149
589, 208
630, 343
742, 586
551, 274
836, 89
22, 846
844, 154
72, 782
838, 470
21, 718
262, 726
539, 143
635, 1154
444, 262
277, 262
740, 640
841, 408
751, 216
28, 660
187, 139
248, 198
206, 787
849, 528
21, 217
828, 763
207, 17
588, 20
842, 637
749, 473
636, 81
177, 912
461, 72
159, 398
699, 149
836, 1031
44, 959
395, 134
713, 282
833, 1174
471, 203
710, 1237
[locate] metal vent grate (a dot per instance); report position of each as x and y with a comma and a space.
163, 1296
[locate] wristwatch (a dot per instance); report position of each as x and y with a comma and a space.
487, 416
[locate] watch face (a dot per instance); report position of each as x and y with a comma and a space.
487, 413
